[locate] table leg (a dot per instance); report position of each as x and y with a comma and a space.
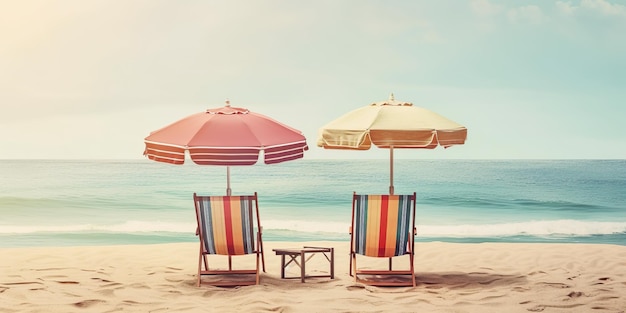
282, 266
332, 263
302, 262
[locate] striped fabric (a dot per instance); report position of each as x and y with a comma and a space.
226, 224
165, 153
247, 156
381, 224
225, 155
285, 152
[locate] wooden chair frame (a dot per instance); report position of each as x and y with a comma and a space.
360, 274
203, 262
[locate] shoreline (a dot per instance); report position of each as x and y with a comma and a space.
12, 241
451, 277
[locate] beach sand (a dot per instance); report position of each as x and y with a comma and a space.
487, 277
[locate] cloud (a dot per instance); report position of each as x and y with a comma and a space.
600, 6
604, 7
485, 8
565, 8
528, 14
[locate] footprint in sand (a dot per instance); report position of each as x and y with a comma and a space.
101, 279
355, 287
69, 282
555, 285
575, 294
538, 308
88, 303
23, 283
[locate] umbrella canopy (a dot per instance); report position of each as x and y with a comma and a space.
391, 124
225, 136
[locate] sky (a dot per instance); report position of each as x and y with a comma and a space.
90, 79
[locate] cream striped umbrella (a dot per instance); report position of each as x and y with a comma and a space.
391, 124
225, 136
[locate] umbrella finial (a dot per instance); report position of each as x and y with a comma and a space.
227, 102
391, 98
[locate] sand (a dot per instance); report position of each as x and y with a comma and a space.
487, 277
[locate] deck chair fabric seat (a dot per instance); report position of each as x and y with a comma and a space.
383, 226
226, 226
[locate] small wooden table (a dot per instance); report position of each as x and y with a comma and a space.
301, 253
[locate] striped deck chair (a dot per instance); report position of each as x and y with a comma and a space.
226, 227
383, 226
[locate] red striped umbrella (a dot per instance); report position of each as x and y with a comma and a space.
226, 136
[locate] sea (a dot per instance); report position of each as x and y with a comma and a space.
119, 202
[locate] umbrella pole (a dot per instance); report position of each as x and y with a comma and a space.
391, 170
228, 191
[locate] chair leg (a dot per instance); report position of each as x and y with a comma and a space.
350, 257
412, 258
413, 276
260, 241
257, 268
200, 257
353, 267
332, 263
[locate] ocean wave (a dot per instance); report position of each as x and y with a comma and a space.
307, 226
527, 204
530, 228
125, 227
